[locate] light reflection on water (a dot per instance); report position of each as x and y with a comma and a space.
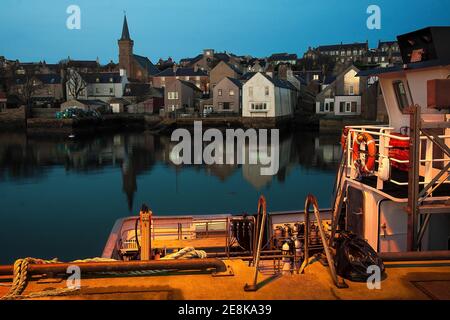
60, 197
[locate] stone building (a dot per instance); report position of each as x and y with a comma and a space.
138, 68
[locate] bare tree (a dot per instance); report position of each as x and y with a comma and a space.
75, 84
28, 87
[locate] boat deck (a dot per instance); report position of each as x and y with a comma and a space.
417, 281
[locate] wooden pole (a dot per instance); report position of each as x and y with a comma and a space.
146, 247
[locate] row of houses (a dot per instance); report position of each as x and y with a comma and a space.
212, 82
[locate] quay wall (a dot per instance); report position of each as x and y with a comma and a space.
337, 124
13, 118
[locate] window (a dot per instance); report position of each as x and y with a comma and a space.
97, 90
316, 77
231, 93
219, 92
250, 91
400, 93
327, 107
347, 107
173, 95
354, 106
321, 107
111, 90
267, 91
259, 106
331, 106
342, 107
350, 90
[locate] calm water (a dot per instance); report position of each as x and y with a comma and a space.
61, 197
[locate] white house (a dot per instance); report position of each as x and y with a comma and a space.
342, 96
102, 86
264, 96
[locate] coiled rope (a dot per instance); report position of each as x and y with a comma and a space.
21, 277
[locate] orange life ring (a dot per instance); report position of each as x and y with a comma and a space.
371, 152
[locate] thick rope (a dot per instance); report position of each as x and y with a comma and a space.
20, 279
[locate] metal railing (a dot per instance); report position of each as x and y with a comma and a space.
382, 136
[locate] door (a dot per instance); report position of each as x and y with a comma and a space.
355, 211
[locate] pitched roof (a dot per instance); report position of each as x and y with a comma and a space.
235, 81
145, 63
137, 89
342, 46
277, 82
300, 78
282, 57
83, 63
125, 31
181, 72
49, 78
247, 76
102, 77
231, 66
191, 85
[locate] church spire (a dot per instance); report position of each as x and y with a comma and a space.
125, 31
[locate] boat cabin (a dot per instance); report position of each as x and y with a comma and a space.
394, 180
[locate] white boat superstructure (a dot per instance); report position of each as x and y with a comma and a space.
402, 203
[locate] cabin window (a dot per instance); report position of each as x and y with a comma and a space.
400, 94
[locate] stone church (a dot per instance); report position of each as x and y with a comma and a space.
138, 68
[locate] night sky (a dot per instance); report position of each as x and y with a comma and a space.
36, 30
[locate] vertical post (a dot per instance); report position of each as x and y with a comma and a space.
146, 247
413, 177
262, 211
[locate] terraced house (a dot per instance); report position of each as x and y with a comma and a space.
196, 76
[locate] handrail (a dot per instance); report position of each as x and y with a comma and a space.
382, 134
262, 215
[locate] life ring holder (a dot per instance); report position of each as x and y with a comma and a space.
369, 141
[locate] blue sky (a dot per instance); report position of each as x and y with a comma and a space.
36, 30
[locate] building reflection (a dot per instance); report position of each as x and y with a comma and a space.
134, 154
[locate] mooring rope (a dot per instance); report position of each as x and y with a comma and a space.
21, 277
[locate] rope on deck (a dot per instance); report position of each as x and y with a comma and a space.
21, 277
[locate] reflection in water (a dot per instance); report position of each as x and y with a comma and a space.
62, 196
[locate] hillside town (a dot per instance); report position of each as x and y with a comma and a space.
321, 85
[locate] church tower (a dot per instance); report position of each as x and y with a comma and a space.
126, 50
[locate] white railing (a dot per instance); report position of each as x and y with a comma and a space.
382, 136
